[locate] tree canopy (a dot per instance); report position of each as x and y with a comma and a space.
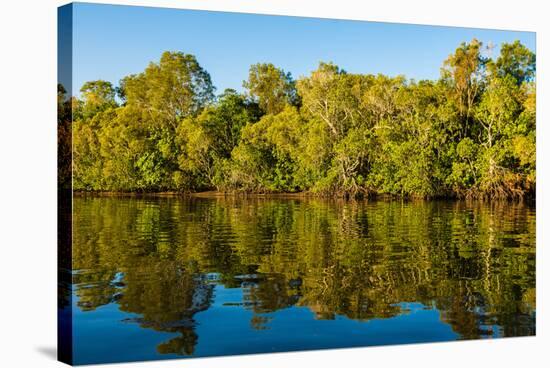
471, 133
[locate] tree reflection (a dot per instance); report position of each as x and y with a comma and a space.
474, 262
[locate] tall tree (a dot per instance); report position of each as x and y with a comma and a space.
170, 90
98, 96
464, 71
517, 61
271, 87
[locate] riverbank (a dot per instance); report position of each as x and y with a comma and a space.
291, 195
205, 194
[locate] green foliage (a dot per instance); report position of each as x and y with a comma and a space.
97, 97
516, 61
470, 133
64, 139
268, 151
271, 87
173, 89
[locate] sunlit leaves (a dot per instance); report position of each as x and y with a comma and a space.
471, 133
271, 87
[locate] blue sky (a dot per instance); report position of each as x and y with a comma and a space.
111, 42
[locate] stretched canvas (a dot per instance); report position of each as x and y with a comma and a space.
242, 183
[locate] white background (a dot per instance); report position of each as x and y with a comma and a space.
28, 181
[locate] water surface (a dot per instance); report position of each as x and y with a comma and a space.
159, 278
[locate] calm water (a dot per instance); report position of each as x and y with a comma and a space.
162, 278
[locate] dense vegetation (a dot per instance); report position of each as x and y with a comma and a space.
469, 134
